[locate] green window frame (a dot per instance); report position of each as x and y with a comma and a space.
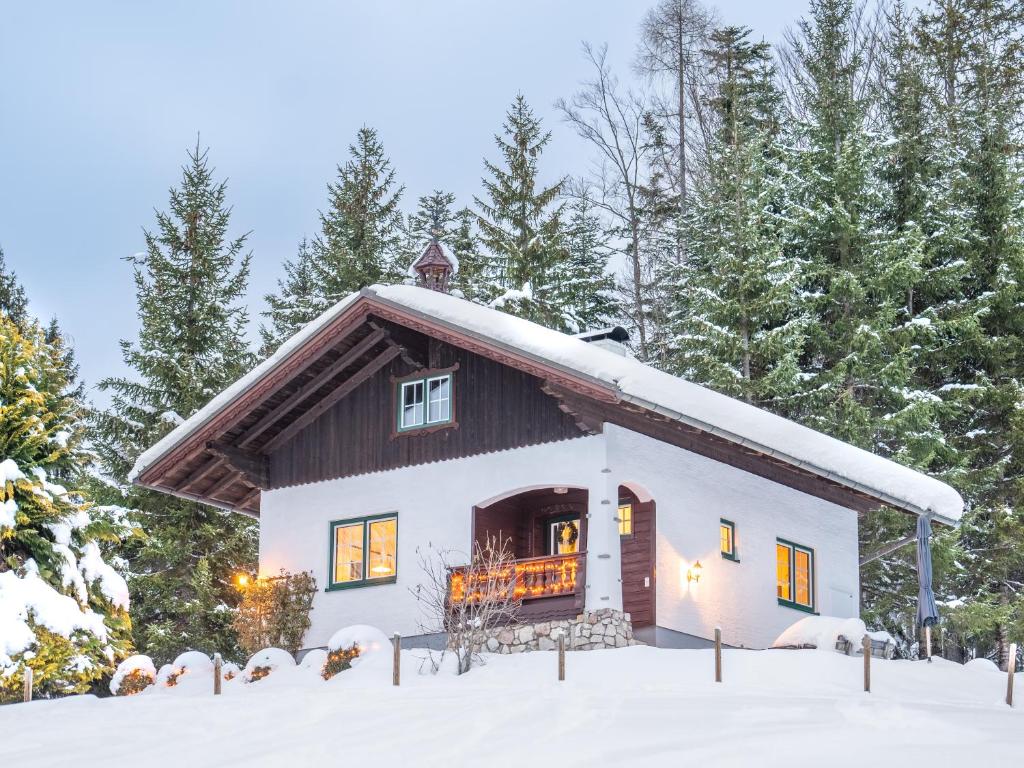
727, 539
794, 590
359, 536
425, 401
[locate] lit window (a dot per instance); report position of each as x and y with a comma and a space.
625, 518
564, 536
364, 551
794, 575
727, 534
424, 402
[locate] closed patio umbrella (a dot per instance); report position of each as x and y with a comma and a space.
927, 611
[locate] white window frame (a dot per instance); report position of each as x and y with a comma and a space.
425, 421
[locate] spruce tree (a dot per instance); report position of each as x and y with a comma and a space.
13, 301
71, 622
361, 230
520, 222
738, 324
190, 282
584, 288
296, 302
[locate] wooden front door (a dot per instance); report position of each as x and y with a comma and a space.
636, 537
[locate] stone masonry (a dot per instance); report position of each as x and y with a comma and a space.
605, 628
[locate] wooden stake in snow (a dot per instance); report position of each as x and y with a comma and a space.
27, 694
866, 645
1011, 668
928, 642
718, 654
561, 657
218, 664
396, 664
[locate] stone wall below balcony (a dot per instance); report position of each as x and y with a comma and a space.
605, 628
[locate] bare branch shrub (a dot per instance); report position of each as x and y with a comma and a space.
274, 612
467, 602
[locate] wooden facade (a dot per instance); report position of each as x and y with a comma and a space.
495, 408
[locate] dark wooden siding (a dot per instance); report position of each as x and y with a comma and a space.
496, 408
638, 563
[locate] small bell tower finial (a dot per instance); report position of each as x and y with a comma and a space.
434, 268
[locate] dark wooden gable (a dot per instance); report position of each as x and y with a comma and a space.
496, 407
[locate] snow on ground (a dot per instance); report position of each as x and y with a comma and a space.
628, 707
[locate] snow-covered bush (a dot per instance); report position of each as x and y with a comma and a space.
314, 660
230, 671
349, 644
187, 664
133, 675
63, 609
266, 661
821, 632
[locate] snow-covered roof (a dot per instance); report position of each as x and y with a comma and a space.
633, 382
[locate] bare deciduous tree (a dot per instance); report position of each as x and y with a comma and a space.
673, 40
614, 122
467, 602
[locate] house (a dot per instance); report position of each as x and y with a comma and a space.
405, 417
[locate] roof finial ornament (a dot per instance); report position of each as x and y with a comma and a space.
435, 267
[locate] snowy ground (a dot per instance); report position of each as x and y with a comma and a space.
630, 707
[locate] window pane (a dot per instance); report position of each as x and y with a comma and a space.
383, 548
412, 404
439, 399
802, 573
782, 553
348, 553
625, 519
726, 539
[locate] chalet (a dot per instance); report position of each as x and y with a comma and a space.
406, 416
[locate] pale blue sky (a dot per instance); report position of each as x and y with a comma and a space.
101, 99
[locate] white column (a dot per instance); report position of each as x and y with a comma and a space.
604, 554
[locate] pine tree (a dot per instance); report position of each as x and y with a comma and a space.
361, 230
13, 301
521, 222
854, 371
52, 572
584, 288
977, 50
190, 282
740, 329
296, 302
434, 218
471, 278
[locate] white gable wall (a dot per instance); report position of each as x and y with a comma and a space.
434, 503
692, 493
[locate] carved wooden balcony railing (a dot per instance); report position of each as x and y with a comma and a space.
534, 578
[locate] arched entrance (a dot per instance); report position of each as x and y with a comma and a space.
637, 542
547, 531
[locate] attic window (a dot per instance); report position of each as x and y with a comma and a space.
424, 402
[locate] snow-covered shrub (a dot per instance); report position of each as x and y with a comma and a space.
349, 644
314, 660
230, 671
133, 675
63, 609
821, 632
274, 612
266, 661
190, 664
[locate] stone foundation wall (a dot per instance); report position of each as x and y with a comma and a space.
606, 628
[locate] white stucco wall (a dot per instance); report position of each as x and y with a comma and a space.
692, 493
434, 503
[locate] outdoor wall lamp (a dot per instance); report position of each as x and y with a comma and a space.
693, 574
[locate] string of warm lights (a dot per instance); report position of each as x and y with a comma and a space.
535, 578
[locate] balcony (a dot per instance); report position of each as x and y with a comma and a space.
549, 586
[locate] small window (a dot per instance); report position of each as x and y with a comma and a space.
794, 575
625, 518
564, 536
424, 402
727, 534
364, 551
